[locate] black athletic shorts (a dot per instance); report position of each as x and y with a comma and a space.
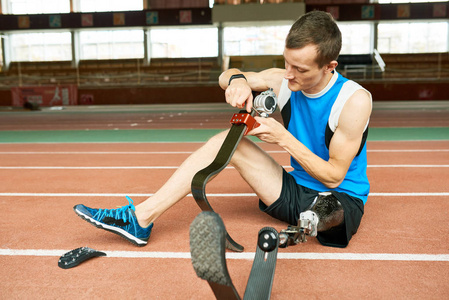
295, 199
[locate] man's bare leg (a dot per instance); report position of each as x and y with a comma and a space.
255, 166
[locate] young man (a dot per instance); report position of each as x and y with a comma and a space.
325, 124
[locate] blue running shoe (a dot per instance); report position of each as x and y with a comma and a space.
121, 221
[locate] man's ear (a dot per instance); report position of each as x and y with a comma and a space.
331, 66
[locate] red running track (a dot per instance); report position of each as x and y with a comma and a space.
400, 251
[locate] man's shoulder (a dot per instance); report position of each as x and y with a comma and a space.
350, 87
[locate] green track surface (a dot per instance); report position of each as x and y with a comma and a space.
190, 135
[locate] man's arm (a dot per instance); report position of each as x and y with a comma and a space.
344, 145
239, 92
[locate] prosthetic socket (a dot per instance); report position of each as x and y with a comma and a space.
324, 213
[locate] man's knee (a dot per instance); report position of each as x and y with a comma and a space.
214, 143
218, 138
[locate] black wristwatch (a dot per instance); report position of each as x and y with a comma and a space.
236, 76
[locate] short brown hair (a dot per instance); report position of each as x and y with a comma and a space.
318, 28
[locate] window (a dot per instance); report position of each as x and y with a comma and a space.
270, 40
356, 38
110, 5
189, 42
261, 40
41, 46
63, 6
1, 53
111, 44
409, 1
419, 37
36, 6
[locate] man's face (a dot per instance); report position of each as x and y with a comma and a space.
301, 70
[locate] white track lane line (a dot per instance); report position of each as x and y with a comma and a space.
246, 255
396, 194
174, 167
407, 150
183, 152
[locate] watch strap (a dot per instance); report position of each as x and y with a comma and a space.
235, 76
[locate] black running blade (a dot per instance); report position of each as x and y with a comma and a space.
262, 272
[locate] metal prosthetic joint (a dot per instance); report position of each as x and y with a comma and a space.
294, 235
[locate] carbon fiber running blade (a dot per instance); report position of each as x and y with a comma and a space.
222, 159
261, 278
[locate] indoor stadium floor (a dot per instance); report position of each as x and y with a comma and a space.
55, 158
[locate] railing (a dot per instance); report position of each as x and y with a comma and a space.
432, 66
429, 66
112, 72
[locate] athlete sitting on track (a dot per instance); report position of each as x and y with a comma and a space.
325, 124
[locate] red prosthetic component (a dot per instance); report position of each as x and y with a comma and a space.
245, 118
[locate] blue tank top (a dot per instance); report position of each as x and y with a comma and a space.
311, 119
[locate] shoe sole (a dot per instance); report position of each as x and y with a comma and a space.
207, 249
122, 233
